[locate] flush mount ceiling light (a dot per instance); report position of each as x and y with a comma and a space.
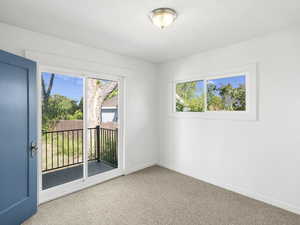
163, 17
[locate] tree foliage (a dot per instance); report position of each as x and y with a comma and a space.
60, 108
226, 97
112, 94
187, 98
186, 90
222, 98
196, 104
57, 107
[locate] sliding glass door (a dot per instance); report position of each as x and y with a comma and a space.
102, 123
62, 129
80, 129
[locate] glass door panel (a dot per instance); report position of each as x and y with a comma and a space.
102, 125
62, 129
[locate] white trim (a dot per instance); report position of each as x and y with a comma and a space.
80, 73
122, 122
64, 72
205, 94
122, 154
39, 133
251, 95
112, 107
62, 61
77, 185
85, 126
244, 191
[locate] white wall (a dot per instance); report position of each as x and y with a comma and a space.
141, 132
258, 158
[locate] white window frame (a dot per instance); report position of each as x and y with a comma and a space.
85, 181
250, 113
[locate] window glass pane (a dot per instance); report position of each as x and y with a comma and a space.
102, 122
226, 94
62, 129
190, 96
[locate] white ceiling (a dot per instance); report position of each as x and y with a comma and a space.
122, 26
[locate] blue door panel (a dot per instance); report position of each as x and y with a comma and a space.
18, 176
14, 123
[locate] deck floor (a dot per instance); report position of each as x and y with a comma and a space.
65, 175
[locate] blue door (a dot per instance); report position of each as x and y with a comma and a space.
18, 164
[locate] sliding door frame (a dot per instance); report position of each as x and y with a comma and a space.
85, 181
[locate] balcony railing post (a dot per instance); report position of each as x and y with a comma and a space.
116, 151
98, 142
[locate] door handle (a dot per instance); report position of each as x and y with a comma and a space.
34, 148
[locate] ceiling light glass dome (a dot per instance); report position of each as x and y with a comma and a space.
163, 17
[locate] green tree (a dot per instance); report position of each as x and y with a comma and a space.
112, 94
196, 104
179, 106
186, 90
80, 105
239, 96
214, 101
78, 115
46, 91
59, 108
226, 92
226, 97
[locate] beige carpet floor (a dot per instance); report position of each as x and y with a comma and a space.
157, 196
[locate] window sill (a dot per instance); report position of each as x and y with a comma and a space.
239, 116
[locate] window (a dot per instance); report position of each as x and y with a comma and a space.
218, 96
190, 96
226, 94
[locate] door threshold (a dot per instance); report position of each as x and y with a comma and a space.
77, 185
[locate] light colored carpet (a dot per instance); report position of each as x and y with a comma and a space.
157, 196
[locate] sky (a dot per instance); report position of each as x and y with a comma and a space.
72, 87
234, 81
69, 86
199, 88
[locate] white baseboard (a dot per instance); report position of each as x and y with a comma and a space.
247, 193
139, 167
